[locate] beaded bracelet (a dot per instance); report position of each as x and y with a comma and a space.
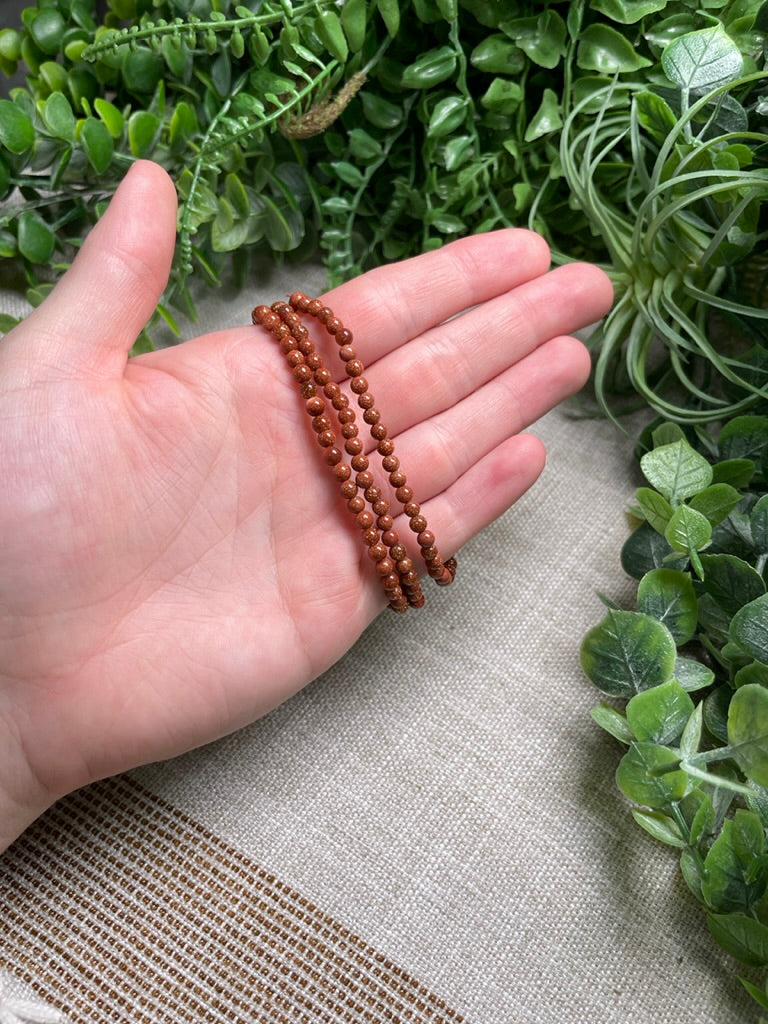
364, 498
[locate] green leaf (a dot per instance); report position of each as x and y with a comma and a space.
228, 230
716, 502
647, 776
744, 437
498, 55
655, 115
36, 240
749, 628
110, 115
502, 96
17, 133
237, 195
46, 28
758, 522
58, 117
542, 38
655, 507
430, 68
97, 144
331, 34
742, 937
748, 730
644, 550
380, 112
627, 12
354, 16
363, 146
390, 13
547, 119
659, 715
688, 530
702, 60
754, 672
731, 581
602, 48
628, 652
448, 114
283, 225
660, 826
143, 127
668, 595
692, 675
348, 173
613, 722
736, 472
676, 470
731, 883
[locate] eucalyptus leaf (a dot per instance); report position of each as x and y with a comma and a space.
627, 653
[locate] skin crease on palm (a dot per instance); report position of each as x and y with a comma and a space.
175, 558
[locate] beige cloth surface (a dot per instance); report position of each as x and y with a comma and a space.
431, 829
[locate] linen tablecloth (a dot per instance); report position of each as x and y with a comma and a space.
430, 832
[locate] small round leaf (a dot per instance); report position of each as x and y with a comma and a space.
628, 652
36, 240
17, 133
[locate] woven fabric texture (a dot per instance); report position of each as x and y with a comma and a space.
441, 794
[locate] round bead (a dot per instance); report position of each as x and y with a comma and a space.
380, 506
436, 569
365, 480
299, 300
385, 447
324, 314
404, 494
353, 446
334, 456
365, 519
356, 504
426, 539
314, 362
371, 535
404, 565
346, 352
321, 424
398, 478
322, 376
350, 430
302, 373
377, 551
313, 307
412, 508
348, 489
418, 600
286, 342
373, 493
354, 368
327, 439
333, 324
305, 346
390, 463
331, 389
372, 415
359, 385
259, 315
359, 463
294, 358
400, 605
385, 521
364, 398
418, 523
308, 390
341, 472
398, 552
389, 537
410, 578
344, 336
315, 406
346, 415
430, 554
298, 330
391, 581
386, 568
446, 577
378, 431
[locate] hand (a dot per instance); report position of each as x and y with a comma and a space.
175, 558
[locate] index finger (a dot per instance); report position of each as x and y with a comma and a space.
400, 301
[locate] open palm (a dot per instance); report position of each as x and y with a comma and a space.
175, 558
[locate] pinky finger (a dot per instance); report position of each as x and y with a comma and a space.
485, 491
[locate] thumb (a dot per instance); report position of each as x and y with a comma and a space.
94, 314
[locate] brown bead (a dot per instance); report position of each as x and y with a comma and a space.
365, 479
365, 519
378, 431
295, 358
262, 315
392, 581
327, 439
418, 523
347, 352
385, 521
410, 578
372, 415
334, 456
344, 336
400, 606
446, 578
331, 389
373, 493
321, 424
404, 494
305, 346
348, 489
333, 324
412, 508
377, 551
364, 398
354, 368
286, 341
404, 565
350, 430
430, 554
436, 569
388, 537
390, 463
313, 307
323, 314
342, 471
360, 463
340, 401
426, 538
353, 446
385, 567
315, 406
418, 600
380, 506
398, 478
322, 376
346, 415
308, 390
299, 301
298, 330
371, 536
314, 362
302, 373
359, 385
356, 504
398, 552
385, 446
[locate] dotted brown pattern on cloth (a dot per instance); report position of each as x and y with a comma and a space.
117, 908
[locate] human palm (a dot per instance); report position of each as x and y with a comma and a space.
175, 559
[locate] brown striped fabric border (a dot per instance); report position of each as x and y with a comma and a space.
117, 908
